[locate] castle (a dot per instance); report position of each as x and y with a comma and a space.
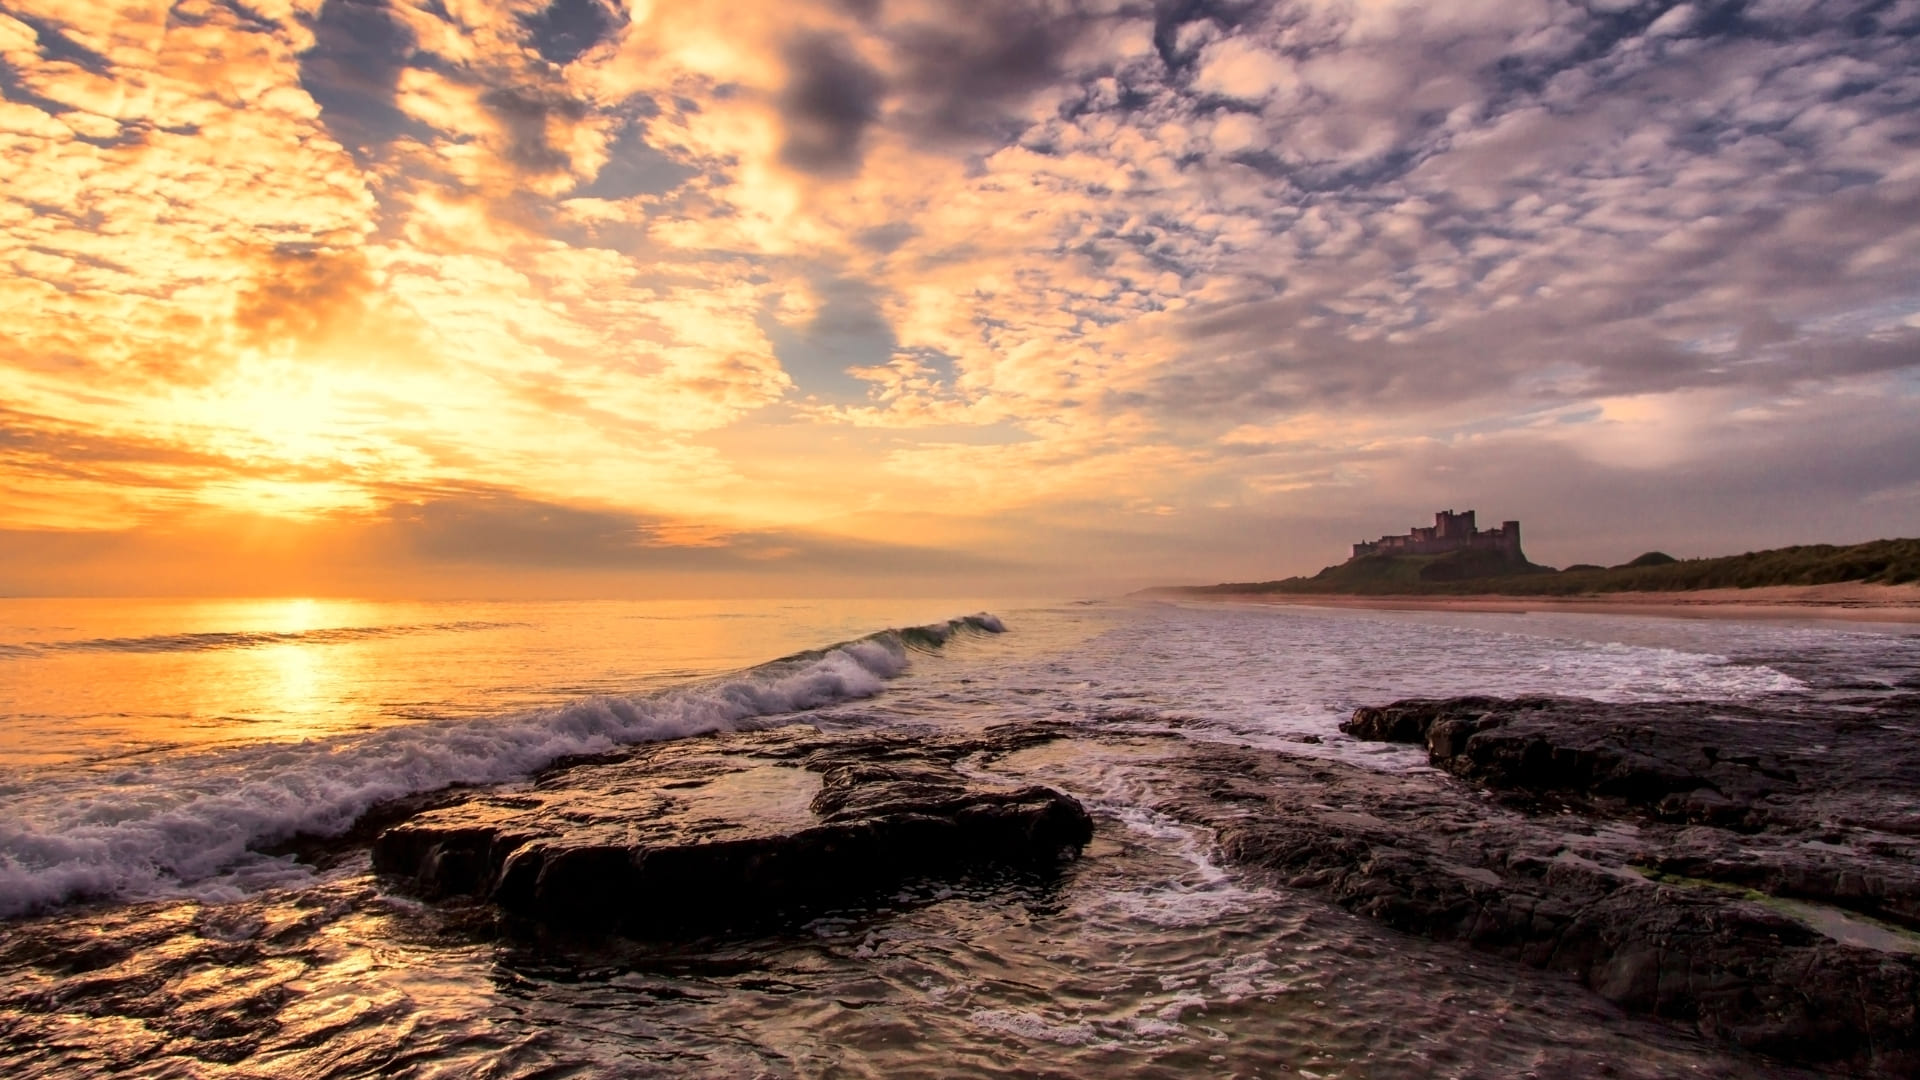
1450, 532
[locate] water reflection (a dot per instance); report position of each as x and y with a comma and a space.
98, 679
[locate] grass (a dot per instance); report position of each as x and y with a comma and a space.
1880, 562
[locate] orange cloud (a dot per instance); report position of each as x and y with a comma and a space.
741, 268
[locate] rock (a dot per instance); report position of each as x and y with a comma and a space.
1828, 805
707, 833
1408, 721
1857, 879
1738, 766
1571, 891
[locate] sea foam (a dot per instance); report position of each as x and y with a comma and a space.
173, 823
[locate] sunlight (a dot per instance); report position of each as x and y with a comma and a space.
298, 675
289, 498
298, 615
442, 440
292, 407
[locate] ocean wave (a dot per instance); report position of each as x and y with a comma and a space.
240, 639
162, 826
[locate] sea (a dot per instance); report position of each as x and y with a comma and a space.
157, 756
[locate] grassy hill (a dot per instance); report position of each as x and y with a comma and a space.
1887, 562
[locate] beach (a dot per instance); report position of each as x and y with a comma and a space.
1851, 601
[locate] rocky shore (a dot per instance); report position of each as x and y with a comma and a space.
1744, 872
1741, 872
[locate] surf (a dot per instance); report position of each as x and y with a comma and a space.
195, 824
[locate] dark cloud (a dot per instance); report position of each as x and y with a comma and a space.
886, 239
565, 29
499, 528
1170, 17
12, 89
502, 528
863, 10
55, 45
831, 98
964, 69
524, 113
1253, 360
353, 72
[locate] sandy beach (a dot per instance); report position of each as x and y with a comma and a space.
1850, 601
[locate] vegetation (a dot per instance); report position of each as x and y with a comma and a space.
1652, 558
1885, 562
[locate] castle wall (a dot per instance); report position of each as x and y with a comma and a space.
1450, 532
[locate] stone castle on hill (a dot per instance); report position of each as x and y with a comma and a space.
1450, 532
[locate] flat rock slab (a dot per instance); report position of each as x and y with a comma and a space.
705, 833
1826, 804
1563, 891
1750, 869
1748, 767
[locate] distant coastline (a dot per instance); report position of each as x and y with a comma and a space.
1852, 602
1879, 579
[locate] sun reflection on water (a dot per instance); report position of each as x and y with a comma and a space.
100, 679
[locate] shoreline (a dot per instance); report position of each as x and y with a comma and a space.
1844, 602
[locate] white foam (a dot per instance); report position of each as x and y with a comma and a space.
1197, 898
1034, 1027
1282, 677
185, 825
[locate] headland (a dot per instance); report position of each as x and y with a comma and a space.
1848, 602
1453, 566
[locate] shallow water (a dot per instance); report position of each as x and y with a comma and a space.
149, 753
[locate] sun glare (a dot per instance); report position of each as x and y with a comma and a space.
289, 498
298, 615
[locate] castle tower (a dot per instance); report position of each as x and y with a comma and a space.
1450, 532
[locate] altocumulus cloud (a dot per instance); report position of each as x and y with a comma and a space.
1102, 283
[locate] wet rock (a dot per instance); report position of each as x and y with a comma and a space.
1878, 880
1742, 767
1827, 802
738, 828
1566, 889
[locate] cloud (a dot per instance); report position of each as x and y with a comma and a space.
504, 530
966, 67
576, 274
565, 29
468, 542
353, 68
1237, 68
304, 294
830, 99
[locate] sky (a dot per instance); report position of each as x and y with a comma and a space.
798, 297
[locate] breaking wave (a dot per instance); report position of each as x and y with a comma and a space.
194, 825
